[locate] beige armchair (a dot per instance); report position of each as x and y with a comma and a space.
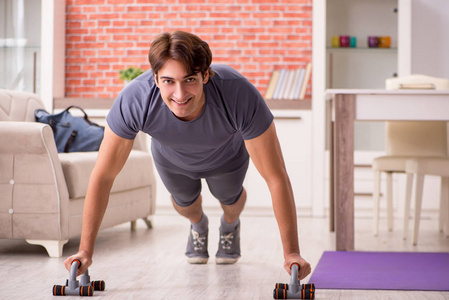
42, 192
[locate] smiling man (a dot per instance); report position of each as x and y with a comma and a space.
183, 95
206, 122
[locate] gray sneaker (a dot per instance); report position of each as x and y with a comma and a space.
197, 248
228, 247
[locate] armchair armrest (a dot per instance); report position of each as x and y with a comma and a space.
33, 184
26, 137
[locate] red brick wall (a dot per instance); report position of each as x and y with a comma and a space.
253, 36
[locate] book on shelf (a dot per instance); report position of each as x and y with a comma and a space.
272, 84
305, 82
293, 84
283, 85
288, 84
279, 84
297, 87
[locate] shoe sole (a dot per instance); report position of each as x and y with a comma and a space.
226, 260
197, 260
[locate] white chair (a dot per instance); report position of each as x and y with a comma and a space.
407, 140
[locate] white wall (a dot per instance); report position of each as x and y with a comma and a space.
430, 37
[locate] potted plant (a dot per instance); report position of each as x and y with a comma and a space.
129, 74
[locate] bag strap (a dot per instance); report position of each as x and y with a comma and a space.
70, 140
86, 118
52, 125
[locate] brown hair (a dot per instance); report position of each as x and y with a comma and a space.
187, 48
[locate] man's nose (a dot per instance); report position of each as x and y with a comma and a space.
180, 91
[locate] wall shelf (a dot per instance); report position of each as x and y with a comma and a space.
305, 104
391, 49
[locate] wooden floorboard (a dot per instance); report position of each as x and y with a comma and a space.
149, 264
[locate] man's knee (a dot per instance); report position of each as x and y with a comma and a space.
186, 200
231, 200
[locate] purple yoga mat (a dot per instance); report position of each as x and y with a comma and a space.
382, 271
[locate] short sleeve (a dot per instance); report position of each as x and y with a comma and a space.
253, 115
123, 118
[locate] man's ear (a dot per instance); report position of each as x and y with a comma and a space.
206, 77
156, 80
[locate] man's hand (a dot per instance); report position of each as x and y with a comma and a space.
304, 267
84, 257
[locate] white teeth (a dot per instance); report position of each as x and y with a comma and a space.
182, 102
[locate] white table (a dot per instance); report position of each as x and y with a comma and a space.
369, 105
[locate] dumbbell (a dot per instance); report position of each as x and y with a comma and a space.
83, 287
294, 290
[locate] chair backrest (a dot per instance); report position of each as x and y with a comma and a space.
18, 106
416, 138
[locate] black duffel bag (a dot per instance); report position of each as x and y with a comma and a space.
72, 134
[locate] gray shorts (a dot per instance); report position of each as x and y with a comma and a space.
225, 182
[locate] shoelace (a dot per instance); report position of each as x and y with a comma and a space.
226, 241
198, 241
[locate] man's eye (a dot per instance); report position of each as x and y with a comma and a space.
168, 81
190, 80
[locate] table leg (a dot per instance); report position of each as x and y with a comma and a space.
344, 171
330, 129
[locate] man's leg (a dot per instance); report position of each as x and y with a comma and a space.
185, 188
194, 212
229, 244
196, 251
232, 212
227, 187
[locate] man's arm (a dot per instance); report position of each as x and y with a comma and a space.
266, 154
113, 153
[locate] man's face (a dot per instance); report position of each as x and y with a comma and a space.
181, 92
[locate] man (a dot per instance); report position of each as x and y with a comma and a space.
205, 122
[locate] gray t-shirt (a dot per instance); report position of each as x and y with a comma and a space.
234, 111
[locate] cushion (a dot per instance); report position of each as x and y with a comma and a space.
390, 163
77, 167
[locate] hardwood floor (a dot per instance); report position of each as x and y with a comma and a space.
149, 264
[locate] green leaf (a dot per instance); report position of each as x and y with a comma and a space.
130, 73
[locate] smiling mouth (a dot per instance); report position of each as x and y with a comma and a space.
184, 102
